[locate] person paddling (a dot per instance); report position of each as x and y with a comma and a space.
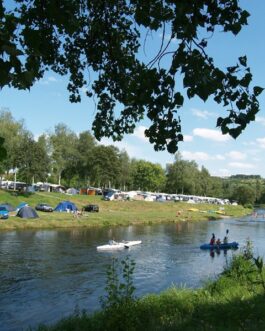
226, 237
212, 241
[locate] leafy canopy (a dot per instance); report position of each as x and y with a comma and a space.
75, 37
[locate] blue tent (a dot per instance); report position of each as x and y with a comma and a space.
66, 206
27, 212
21, 205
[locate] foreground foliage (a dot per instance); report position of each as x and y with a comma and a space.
105, 37
235, 301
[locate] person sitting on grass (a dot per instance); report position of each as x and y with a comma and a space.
77, 213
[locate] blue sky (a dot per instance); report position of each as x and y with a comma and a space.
47, 104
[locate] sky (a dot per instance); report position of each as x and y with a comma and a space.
47, 104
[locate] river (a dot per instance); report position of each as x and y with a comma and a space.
47, 274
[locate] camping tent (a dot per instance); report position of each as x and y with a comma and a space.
8, 207
72, 191
21, 205
66, 206
27, 212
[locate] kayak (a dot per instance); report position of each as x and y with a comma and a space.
232, 245
128, 244
113, 245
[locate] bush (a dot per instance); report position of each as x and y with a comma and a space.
248, 206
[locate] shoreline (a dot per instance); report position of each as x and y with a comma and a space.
66, 221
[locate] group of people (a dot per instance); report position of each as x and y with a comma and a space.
213, 240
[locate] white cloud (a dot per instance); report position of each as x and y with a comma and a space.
48, 80
187, 138
260, 119
219, 157
224, 172
132, 150
261, 142
221, 172
241, 165
210, 134
249, 143
139, 133
236, 155
201, 113
201, 156
197, 156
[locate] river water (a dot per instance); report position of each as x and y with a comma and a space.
47, 274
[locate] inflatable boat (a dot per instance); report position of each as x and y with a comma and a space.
233, 245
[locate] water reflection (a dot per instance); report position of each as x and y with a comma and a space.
46, 274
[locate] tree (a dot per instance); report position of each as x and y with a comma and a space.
85, 146
64, 152
182, 176
244, 194
125, 170
73, 37
204, 182
3, 153
33, 160
147, 176
105, 166
13, 132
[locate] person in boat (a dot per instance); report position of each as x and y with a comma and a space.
218, 241
225, 241
212, 241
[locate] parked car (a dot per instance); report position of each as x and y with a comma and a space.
44, 207
91, 208
3, 213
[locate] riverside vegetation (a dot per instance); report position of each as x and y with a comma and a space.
111, 213
235, 301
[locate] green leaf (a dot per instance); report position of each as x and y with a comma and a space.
219, 121
243, 60
178, 99
257, 90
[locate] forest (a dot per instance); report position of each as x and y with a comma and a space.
62, 157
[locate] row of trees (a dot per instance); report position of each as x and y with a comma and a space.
60, 156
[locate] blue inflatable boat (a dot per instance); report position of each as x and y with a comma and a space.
233, 245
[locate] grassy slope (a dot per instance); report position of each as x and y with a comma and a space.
111, 212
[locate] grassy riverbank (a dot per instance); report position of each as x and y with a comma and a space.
233, 302
111, 213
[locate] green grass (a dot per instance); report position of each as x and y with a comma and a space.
111, 213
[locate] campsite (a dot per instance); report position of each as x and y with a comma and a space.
112, 213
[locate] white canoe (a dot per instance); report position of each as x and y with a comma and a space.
128, 244
118, 245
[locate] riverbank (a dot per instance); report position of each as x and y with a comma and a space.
235, 301
112, 213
